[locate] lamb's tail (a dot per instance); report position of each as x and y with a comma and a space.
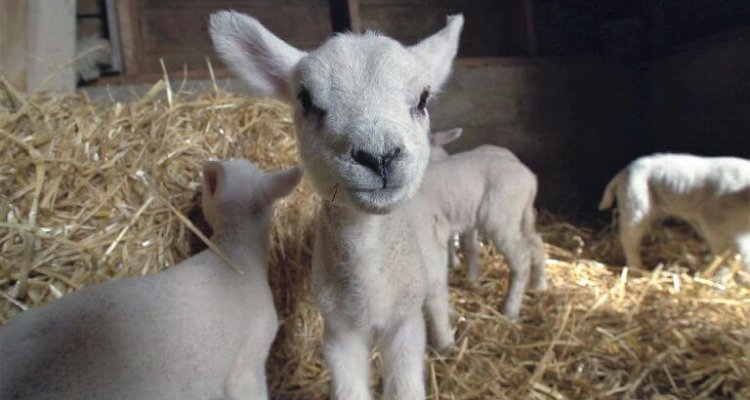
609, 193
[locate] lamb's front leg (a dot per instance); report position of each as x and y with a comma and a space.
437, 305
403, 359
347, 352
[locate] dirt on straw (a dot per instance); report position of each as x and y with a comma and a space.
91, 192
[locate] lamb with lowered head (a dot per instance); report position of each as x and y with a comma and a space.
711, 193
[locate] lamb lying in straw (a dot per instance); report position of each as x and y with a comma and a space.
198, 330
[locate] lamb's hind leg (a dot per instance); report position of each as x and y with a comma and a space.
538, 258
632, 230
536, 249
403, 363
517, 255
470, 248
347, 353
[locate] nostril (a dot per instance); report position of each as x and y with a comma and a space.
391, 155
367, 159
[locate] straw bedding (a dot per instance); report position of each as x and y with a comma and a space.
91, 192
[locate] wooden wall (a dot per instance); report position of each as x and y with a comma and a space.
177, 30
493, 28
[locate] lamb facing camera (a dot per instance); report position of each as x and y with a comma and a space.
361, 116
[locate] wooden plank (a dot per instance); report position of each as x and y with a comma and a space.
486, 32
165, 36
226, 4
130, 38
164, 30
13, 41
115, 39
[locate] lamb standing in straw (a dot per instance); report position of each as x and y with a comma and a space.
489, 189
468, 242
360, 112
711, 193
199, 330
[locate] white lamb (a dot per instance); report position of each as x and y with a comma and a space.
467, 241
360, 111
489, 189
199, 330
711, 193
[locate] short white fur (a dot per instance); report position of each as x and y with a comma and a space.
488, 189
711, 193
355, 95
198, 330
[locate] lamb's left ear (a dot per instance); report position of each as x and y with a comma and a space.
442, 138
213, 179
254, 54
439, 50
280, 183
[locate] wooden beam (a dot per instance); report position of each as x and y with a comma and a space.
129, 29
345, 16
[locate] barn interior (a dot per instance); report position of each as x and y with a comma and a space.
576, 88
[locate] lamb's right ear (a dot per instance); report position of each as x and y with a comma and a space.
213, 179
254, 54
280, 183
442, 138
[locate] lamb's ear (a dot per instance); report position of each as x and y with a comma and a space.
280, 183
442, 138
213, 179
439, 50
254, 54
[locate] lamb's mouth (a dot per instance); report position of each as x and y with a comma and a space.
386, 189
377, 200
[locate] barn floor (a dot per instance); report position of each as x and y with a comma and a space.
92, 192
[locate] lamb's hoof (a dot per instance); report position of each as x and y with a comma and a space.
512, 313
444, 348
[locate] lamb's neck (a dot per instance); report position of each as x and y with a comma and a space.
341, 222
247, 250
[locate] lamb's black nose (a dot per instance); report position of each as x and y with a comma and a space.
379, 164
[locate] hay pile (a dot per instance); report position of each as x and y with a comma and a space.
91, 192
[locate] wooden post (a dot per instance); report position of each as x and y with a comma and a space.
128, 25
345, 16
37, 44
52, 45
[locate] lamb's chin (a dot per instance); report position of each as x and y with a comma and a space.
378, 201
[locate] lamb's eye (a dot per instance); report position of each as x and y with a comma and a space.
305, 100
423, 100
